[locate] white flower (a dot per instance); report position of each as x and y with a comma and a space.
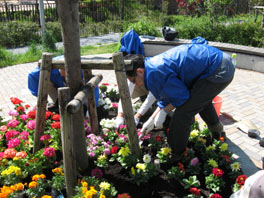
146, 158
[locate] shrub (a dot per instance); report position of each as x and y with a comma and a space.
16, 34
54, 28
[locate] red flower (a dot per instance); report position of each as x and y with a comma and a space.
226, 157
15, 101
123, 195
20, 108
9, 153
158, 138
48, 114
27, 106
32, 114
56, 117
55, 125
195, 191
114, 149
105, 84
241, 179
218, 172
216, 196
181, 166
222, 139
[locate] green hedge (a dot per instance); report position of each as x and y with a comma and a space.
16, 34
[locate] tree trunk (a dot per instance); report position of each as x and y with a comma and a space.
69, 18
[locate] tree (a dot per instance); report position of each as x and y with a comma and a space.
69, 18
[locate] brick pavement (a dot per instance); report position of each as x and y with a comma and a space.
243, 98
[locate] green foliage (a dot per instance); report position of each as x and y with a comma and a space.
54, 29
16, 34
49, 42
5, 58
144, 27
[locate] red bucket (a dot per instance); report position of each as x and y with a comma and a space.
217, 102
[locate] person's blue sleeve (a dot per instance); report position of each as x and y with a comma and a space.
173, 92
33, 81
96, 95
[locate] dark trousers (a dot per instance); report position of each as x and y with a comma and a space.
201, 95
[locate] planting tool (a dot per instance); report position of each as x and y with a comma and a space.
248, 127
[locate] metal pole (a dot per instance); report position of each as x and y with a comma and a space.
42, 18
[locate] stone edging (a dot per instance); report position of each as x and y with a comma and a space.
251, 58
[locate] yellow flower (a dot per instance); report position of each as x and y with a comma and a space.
141, 166
46, 196
235, 166
212, 163
15, 158
92, 190
102, 157
194, 133
10, 170
133, 171
102, 195
224, 147
84, 184
84, 190
124, 151
165, 151
104, 185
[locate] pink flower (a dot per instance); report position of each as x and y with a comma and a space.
92, 154
12, 123
107, 151
13, 143
3, 128
24, 135
9, 153
122, 126
114, 105
194, 161
123, 195
97, 172
10, 134
21, 154
31, 124
216, 196
49, 152
1, 155
45, 137
13, 113
24, 117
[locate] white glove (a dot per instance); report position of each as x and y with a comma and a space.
136, 120
148, 126
160, 118
119, 121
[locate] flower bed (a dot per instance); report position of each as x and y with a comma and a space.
207, 168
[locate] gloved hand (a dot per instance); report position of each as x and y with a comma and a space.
119, 121
160, 118
136, 120
148, 126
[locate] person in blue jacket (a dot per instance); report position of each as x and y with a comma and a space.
185, 79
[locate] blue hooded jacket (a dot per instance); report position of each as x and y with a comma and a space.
131, 43
171, 74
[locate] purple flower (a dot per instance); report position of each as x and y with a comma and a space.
194, 161
31, 124
97, 172
12, 123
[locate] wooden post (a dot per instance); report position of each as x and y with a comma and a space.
91, 105
119, 67
69, 161
44, 78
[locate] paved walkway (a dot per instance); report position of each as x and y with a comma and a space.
243, 99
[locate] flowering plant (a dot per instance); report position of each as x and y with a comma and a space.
240, 181
214, 181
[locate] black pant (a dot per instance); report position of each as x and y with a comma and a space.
201, 95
